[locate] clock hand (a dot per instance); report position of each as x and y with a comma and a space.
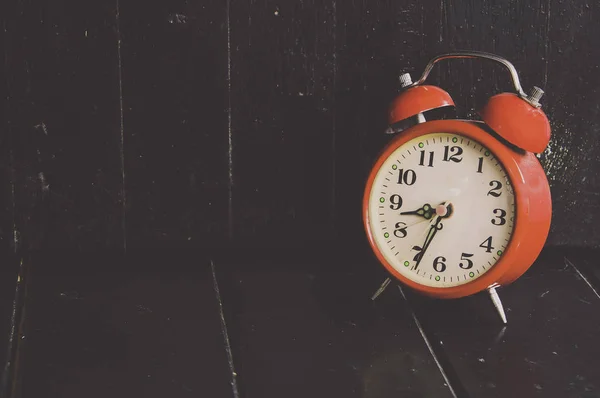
426, 211
442, 211
387, 281
416, 222
431, 233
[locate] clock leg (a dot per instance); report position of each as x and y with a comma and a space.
497, 303
383, 286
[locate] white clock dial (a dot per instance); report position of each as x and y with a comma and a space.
471, 186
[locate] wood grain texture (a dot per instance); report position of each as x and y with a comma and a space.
318, 334
255, 123
122, 326
63, 105
11, 305
6, 152
573, 157
174, 60
376, 43
283, 68
548, 347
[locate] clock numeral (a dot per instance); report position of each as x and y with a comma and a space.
499, 220
487, 245
400, 231
497, 185
407, 177
422, 161
480, 165
452, 157
419, 254
469, 264
439, 265
396, 202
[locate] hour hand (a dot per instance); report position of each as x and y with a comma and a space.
426, 211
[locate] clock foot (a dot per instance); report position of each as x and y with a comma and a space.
383, 286
497, 303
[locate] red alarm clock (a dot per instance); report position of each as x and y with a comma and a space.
455, 207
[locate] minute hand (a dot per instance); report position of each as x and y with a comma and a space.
432, 231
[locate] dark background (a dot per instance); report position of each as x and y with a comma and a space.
204, 124
136, 135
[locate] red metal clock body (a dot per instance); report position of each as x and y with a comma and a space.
533, 208
455, 207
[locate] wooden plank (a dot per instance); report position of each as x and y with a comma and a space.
573, 158
9, 262
585, 261
314, 333
11, 302
64, 108
174, 59
376, 42
6, 172
283, 67
137, 326
548, 347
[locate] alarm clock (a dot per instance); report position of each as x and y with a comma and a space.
454, 207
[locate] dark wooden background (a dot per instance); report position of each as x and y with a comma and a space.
212, 124
133, 133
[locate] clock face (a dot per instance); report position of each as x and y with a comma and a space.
441, 210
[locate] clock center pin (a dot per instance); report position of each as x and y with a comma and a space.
441, 210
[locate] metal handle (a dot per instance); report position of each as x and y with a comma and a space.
474, 54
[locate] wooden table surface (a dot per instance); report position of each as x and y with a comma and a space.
168, 325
